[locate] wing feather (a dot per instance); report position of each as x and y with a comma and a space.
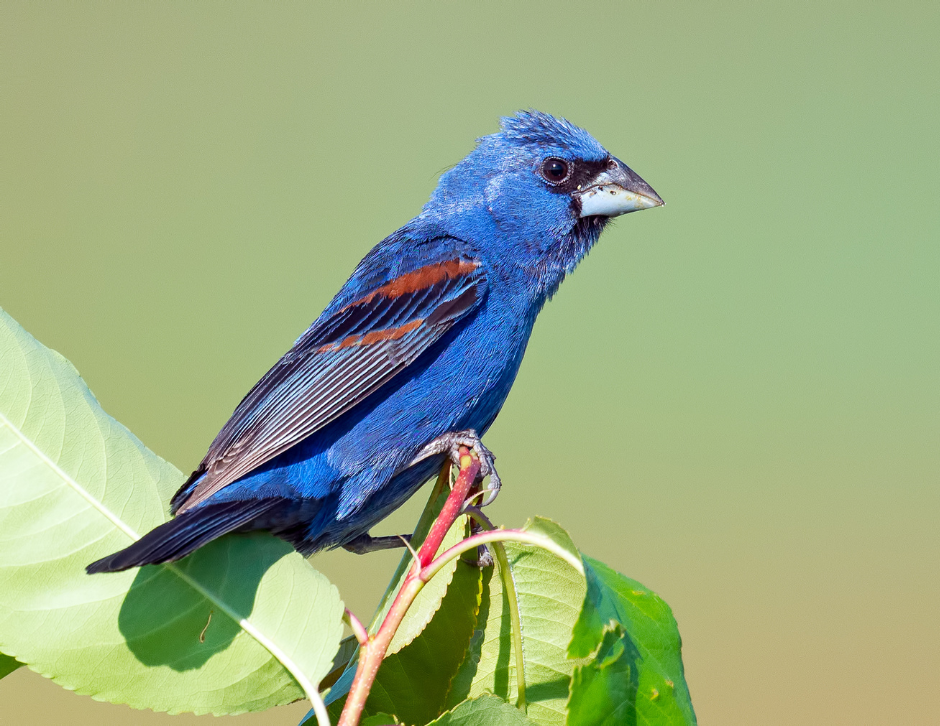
335, 365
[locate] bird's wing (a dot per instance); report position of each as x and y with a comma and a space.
336, 364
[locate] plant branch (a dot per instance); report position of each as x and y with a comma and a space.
374, 649
469, 466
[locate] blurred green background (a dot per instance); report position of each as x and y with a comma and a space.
736, 398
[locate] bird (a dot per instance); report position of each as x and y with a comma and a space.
412, 358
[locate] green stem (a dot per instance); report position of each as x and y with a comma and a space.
319, 708
509, 587
500, 535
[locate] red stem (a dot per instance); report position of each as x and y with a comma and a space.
373, 652
451, 509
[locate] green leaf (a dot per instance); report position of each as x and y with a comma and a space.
579, 619
487, 710
550, 593
379, 719
8, 665
197, 635
636, 674
604, 690
554, 532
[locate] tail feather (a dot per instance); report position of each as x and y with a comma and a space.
182, 494
184, 534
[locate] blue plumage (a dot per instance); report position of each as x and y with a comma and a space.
423, 340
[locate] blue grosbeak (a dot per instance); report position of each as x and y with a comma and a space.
413, 357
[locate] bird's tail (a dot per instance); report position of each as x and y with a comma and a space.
185, 534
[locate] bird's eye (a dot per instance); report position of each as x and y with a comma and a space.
555, 171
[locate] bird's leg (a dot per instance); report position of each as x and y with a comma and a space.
484, 557
450, 444
365, 543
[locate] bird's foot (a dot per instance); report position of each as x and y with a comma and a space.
484, 556
450, 444
365, 543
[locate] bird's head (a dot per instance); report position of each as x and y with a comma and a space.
548, 187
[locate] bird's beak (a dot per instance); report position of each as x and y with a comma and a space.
616, 190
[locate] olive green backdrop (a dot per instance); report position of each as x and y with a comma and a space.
736, 398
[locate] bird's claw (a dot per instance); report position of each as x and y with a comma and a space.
487, 459
492, 491
484, 558
450, 444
